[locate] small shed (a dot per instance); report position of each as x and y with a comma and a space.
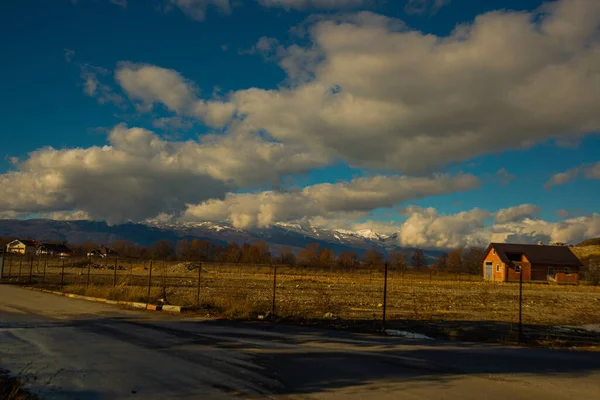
505, 262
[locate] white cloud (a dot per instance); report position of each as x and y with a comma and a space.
589, 171
379, 97
593, 172
325, 200
139, 175
573, 230
93, 87
426, 227
151, 85
517, 213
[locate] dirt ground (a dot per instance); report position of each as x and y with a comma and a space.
441, 304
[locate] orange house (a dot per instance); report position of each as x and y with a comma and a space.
505, 262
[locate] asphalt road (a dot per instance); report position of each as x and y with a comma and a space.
73, 349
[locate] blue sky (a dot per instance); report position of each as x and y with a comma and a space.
53, 52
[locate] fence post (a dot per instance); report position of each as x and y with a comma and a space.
149, 281
20, 268
62, 274
164, 281
31, 269
45, 266
274, 291
88, 274
199, 276
10, 265
520, 306
385, 276
115, 273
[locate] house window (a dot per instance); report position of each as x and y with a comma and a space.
489, 263
518, 269
551, 271
493, 251
497, 267
567, 271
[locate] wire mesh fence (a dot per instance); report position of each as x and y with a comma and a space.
433, 303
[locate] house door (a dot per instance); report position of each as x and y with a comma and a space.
488, 270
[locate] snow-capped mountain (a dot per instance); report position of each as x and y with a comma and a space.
294, 235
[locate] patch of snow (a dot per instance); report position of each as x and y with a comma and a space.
406, 334
367, 233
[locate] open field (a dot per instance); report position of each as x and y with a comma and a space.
452, 304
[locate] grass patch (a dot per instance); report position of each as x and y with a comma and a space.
12, 389
345, 298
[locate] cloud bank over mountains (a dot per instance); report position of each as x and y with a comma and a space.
361, 89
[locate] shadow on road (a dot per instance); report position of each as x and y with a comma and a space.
308, 360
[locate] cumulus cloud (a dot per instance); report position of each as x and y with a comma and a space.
151, 85
413, 102
369, 91
426, 227
93, 87
531, 231
324, 200
138, 175
589, 171
517, 213
593, 172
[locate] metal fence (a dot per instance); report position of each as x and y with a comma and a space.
376, 299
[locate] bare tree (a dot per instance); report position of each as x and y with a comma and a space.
418, 259
441, 263
399, 260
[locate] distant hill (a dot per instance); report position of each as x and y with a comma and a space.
277, 236
590, 242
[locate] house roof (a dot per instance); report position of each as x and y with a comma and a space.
58, 248
103, 250
538, 254
26, 242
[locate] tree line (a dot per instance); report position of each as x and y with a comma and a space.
462, 260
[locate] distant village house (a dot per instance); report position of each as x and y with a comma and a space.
102, 252
22, 246
53, 250
505, 262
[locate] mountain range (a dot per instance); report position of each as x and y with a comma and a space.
296, 236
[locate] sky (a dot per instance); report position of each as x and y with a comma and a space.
448, 122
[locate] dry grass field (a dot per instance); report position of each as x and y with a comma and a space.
343, 298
